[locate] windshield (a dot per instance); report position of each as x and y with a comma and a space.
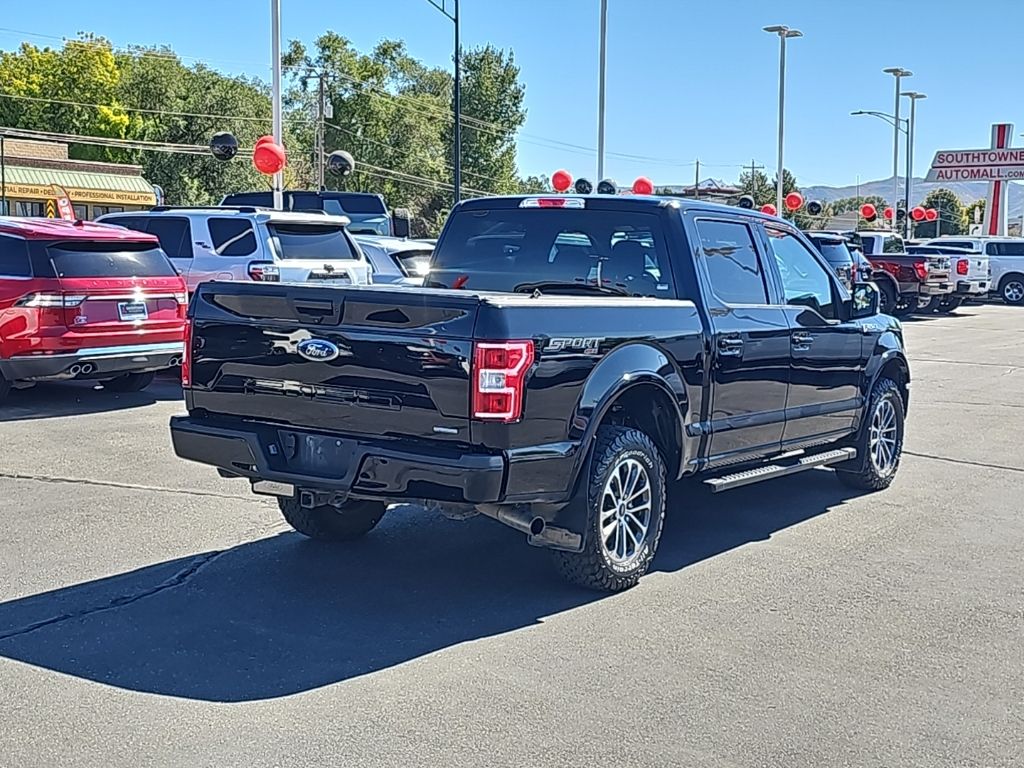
835, 252
311, 241
509, 250
107, 259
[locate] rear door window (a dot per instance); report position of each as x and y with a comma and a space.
232, 236
522, 249
14, 261
174, 234
109, 259
734, 269
1007, 248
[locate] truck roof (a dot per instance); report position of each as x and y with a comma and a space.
612, 202
58, 229
263, 215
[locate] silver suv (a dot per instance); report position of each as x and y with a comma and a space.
247, 243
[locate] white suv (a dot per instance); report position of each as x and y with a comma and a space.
246, 243
1005, 258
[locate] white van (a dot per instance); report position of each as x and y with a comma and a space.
246, 243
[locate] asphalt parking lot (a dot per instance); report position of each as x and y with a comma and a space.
153, 614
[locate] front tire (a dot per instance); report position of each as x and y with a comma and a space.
130, 382
906, 305
887, 299
880, 445
625, 496
351, 520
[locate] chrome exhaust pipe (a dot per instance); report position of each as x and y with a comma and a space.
75, 369
519, 518
88, 368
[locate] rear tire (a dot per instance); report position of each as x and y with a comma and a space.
880, 446
1011, 290
928, 306
130, 382
948, 305
905, 306
350, 521
625, 497
887, 299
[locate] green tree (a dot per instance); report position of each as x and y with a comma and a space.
847, 204
973, 212
950, 209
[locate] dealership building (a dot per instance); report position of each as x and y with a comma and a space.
32, 170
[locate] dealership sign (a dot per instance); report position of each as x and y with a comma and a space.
997, 165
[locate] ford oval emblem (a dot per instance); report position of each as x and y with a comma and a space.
319, 350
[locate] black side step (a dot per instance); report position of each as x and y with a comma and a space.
771, 471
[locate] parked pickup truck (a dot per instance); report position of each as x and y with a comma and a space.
568, 359
909, 282
969, 271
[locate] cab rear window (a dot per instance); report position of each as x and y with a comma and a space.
107, 259
513, 249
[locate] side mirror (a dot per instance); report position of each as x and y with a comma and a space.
865, 301
400, 222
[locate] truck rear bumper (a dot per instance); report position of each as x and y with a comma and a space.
93, 362
367, 468
972, 287
935, 289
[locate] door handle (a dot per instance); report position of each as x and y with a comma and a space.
730, 347
802, 338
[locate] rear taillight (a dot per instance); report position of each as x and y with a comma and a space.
264, 272
50, 300
499, 379
186, 356
921, 269
962, 266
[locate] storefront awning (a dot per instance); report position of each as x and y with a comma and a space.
82, 186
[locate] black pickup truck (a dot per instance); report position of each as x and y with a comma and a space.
568, 359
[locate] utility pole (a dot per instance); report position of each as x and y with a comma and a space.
602, 58
696, 181
754, 168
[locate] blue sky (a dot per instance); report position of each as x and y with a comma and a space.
686, 79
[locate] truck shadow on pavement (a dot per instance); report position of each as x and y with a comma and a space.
49, 400
282, 615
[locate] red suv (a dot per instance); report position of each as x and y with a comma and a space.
86, 301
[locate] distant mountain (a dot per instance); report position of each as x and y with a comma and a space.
967, 191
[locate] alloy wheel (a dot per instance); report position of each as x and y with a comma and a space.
625, 516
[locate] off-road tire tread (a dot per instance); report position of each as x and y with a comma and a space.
866, 478
352, 521
588, 568
130, 382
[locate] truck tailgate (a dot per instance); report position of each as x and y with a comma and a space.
363, 361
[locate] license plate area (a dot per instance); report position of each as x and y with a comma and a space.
132, 311
319, 455
329, 278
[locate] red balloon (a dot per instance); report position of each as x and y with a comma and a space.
643, 186
561, 181
931, 214
263, 140
868, 211
793, 201
769, 209
888, 212
268, 157
917, 213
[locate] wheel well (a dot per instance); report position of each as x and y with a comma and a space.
648, 408
896, 370
1007, 276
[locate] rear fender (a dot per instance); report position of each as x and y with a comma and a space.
627, 368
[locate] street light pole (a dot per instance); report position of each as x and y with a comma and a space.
783, 32
913, 96
898, 73
275, 32
602, 58
455, 19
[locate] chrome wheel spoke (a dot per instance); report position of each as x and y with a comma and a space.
625, 512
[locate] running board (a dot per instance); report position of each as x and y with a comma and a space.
772, 471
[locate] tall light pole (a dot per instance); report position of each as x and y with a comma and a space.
275, 32
453, 16
602, 57
913, 96
899, 73
784, 33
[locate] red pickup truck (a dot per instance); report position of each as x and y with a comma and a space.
908, 283
86, 301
